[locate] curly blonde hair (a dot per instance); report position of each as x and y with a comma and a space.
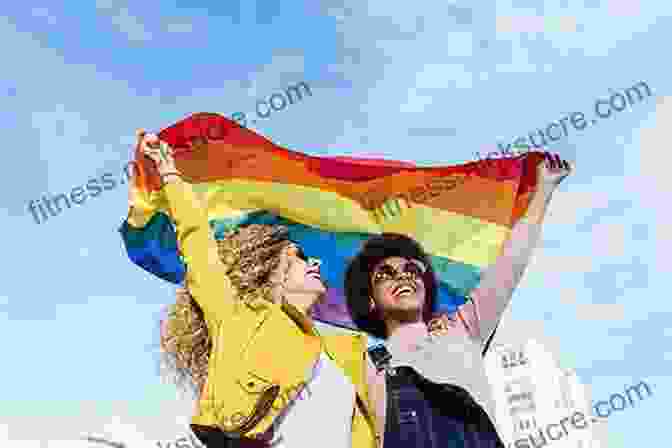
250, 254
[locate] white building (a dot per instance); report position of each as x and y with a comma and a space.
532, 392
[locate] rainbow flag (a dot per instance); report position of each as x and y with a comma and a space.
460, 214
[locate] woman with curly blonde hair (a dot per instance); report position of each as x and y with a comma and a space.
240, 331
253, 253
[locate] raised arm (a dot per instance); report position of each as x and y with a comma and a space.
206, 277
482, 313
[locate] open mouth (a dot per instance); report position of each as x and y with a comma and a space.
314, 273
404, 289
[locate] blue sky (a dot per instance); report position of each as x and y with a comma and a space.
430, 82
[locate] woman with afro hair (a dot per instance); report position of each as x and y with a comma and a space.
428, 379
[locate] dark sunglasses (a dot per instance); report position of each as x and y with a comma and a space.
412, 268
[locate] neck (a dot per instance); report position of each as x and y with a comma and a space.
302, 301
404, 334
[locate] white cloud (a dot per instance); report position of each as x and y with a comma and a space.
460, 44
58, 126
521, 60
571, 204
134, 26
624, 8
126, 23
535, 24
44, 13
442, 76
551, 268
611, 312
584, 28
130, 25
609, 241
105, 5
653, 161
169, 421
338, 13
182, 27
651, 179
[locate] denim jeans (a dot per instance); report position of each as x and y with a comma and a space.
422, 414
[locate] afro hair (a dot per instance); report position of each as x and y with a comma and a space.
358, 283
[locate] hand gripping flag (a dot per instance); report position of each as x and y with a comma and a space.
460, 214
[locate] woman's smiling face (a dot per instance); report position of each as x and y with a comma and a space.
397, 285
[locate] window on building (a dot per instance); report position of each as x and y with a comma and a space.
519, 397
522, 360
505, 362
513, 359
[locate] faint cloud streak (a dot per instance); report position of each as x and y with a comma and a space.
535, 24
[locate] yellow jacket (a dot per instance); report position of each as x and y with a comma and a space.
262, 353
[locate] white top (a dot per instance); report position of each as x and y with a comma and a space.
322, 411
453, 358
